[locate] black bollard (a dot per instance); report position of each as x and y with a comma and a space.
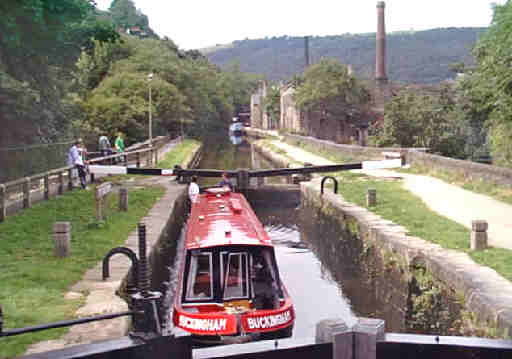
146, 320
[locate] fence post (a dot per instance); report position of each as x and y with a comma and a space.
3, 203
70, 179
62, 238
60, 188
479, 235
156, 155
123, 199
46, 183
26, 193
371, 197
148, 157
137, 157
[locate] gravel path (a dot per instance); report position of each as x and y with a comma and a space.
451, 201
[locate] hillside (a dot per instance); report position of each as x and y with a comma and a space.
413, 56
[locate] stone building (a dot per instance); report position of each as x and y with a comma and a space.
342, 129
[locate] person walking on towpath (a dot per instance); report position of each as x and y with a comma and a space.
75, 159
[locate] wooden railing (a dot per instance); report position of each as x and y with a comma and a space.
21, 193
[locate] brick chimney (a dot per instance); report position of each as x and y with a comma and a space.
380, 61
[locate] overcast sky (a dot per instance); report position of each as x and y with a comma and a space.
201, 23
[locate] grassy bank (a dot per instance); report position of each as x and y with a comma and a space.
33, 282
404, 208
179, 154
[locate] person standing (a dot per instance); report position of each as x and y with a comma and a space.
75, 159
119, 144
193, 190
105, 147
225, 182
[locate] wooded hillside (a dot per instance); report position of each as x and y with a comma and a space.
413, 57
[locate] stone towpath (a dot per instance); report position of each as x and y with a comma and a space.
453, 202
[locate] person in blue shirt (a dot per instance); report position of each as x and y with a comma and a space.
225, 182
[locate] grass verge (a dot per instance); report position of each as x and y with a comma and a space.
408, 210
179, 154
33, 281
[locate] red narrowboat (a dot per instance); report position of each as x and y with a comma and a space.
229, 288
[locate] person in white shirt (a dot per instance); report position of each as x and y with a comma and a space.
193, 190
75, 159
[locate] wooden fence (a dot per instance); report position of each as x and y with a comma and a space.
21, 193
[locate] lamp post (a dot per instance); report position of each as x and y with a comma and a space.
150, 77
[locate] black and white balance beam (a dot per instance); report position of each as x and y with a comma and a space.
121, 170
365, 165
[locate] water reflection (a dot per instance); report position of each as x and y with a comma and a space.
315, 293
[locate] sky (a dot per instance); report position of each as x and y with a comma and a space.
194, 24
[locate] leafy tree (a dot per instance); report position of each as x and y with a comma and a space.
424, 118
40, 42
112, 89
272, 105
489, 85
330, 89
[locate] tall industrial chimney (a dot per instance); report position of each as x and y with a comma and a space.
380, 61
306, 51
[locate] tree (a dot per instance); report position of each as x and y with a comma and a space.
329, 88
489, 85
424, 118
40, 42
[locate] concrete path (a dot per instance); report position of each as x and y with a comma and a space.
451, 201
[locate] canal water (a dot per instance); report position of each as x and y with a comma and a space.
316, 295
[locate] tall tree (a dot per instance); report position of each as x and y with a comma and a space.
490, 83
329, 88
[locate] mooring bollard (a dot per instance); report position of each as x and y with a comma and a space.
123, 199
371, 197
479, 235
62, 238
3, 203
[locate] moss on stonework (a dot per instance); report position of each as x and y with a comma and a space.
352, 226
431, 308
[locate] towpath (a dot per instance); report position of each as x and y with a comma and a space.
451, 201
100, 296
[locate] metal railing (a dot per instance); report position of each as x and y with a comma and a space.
41, 186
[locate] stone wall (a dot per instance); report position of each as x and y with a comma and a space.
486, 295
415, 157
394, 267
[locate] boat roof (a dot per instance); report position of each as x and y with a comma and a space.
220, 218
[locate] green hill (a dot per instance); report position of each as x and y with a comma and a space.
413, 56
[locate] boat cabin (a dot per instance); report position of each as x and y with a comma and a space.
230, 283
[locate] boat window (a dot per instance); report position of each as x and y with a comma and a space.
236, 278
200, 281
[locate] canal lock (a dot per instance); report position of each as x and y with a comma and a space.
367, 281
